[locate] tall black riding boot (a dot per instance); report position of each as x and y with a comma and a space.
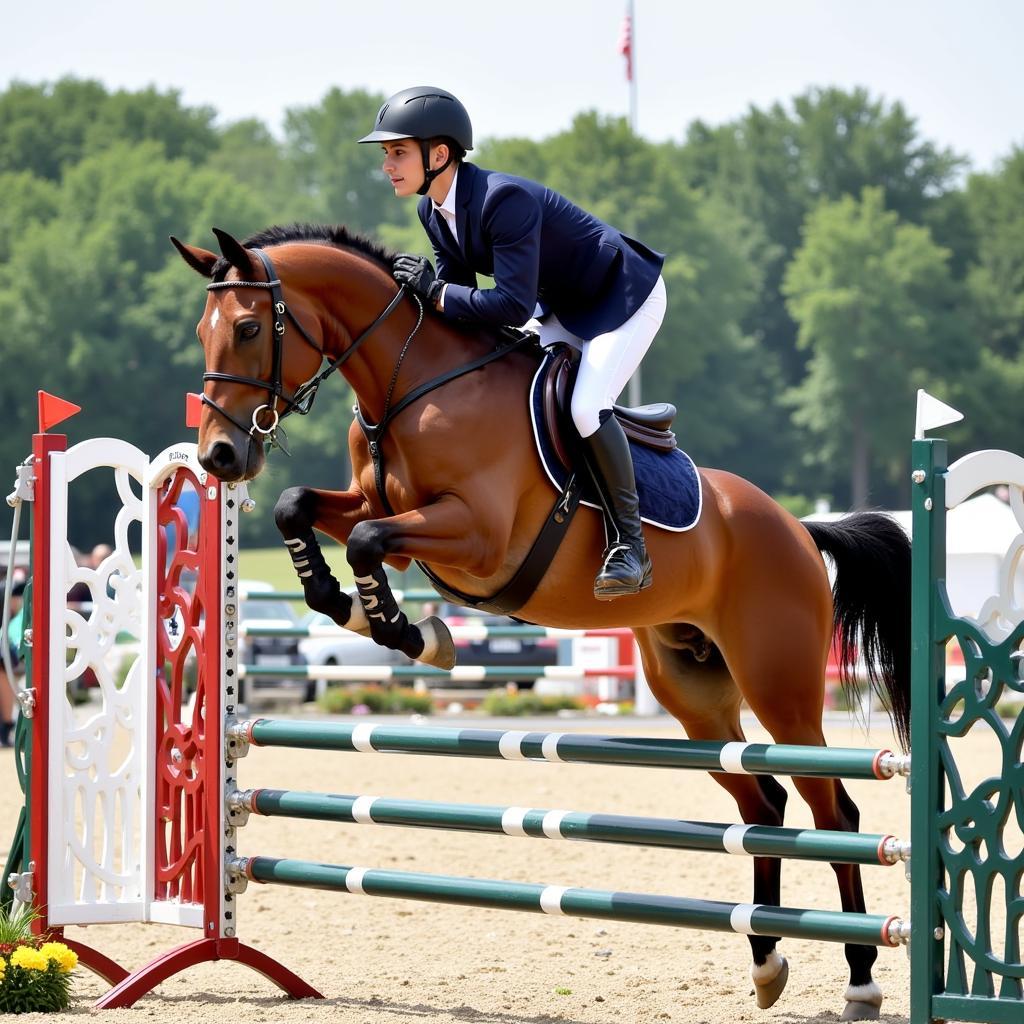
625, 568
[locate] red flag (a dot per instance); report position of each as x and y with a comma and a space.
193, 409
626, 45
54, 410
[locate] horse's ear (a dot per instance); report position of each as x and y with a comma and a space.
234, 252
200, 260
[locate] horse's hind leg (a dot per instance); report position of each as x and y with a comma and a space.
705, 700
783, 682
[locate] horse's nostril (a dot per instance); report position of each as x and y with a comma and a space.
223, 459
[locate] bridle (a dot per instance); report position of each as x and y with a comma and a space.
302, 400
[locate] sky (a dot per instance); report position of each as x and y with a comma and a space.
526, 68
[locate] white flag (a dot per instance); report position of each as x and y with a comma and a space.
932, 413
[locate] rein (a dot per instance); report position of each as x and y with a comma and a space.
374, 432
302, 401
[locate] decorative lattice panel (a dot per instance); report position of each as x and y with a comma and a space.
97, 768
968, 858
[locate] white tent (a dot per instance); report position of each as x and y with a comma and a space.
979, 533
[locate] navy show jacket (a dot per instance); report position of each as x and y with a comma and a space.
539, 247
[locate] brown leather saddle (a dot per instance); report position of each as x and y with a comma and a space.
649, 425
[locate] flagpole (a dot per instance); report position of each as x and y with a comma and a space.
633, 389
632, 77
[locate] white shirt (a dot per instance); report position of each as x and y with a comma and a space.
447, 208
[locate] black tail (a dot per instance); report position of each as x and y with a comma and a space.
871, 596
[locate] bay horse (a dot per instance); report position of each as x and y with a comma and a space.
741, 608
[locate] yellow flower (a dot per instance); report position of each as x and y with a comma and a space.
3, 967
66, 959
29, 958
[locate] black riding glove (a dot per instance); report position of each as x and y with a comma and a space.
417, 273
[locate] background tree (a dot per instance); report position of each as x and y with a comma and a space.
100, 309
46, 129
991, 394
342, 181
774, 166
876, 309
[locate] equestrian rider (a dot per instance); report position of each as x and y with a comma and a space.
556, 268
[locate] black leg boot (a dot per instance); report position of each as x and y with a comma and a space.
626, 569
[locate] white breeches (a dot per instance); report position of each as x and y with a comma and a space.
607, 361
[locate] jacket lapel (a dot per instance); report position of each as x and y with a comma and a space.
463, 194
444, 233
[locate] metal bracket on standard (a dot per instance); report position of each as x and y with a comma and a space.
894, 850
234, 871
238, 806
27, 702
236, 738
890, 764
22, 883
898, 932
24, 484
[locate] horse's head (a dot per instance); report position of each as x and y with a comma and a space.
251, 378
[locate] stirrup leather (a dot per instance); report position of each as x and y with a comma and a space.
612, 550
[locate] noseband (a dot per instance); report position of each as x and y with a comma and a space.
302, 401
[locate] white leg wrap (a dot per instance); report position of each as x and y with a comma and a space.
767, 972
357, 620
870, 994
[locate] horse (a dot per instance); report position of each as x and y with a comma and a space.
741, 607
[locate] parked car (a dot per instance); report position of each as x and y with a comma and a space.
498, 651
346, 649
271, 650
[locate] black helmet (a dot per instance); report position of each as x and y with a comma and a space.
422, 112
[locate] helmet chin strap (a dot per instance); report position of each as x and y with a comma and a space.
428, 174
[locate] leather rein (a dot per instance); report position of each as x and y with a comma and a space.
302, 400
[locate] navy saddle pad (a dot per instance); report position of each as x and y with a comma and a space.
667, 483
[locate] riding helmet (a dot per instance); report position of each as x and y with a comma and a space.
422, 112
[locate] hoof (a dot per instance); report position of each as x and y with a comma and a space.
863, 1002
438, 646
861, 1011
770, 979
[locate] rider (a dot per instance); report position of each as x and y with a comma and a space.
584, 282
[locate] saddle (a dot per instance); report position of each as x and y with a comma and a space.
648, 425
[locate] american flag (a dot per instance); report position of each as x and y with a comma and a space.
626, 45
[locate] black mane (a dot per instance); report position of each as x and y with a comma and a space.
336, 235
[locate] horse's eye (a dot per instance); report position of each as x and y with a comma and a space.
249, 329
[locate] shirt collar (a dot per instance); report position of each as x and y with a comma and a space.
448, 206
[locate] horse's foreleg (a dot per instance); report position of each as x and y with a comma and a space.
297, 512
441, 533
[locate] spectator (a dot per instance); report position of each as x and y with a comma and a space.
6, 689
100, 552
79, 592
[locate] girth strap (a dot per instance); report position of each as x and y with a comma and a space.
521, 587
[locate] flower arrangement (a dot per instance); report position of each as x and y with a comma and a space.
35, 975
